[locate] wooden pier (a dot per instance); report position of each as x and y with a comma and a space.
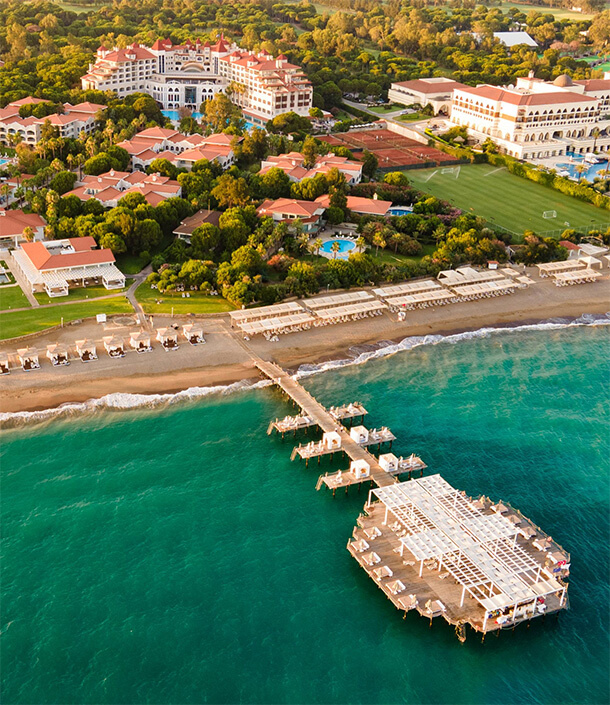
302, 421
428, 546
326, 422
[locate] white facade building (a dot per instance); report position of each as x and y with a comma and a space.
537, 119
186, 75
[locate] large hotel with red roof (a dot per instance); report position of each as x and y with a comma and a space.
186, 75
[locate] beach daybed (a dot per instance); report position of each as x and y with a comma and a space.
28, 357
371, 558
408, 602
140, 342
86, 350
193, 333
58, 354
5, 367
168, 338
114, 346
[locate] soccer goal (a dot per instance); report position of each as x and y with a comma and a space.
549, 214
451, 170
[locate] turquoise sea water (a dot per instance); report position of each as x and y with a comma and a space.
176, 555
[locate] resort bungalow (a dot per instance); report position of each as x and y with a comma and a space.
5, 367
168, 337
28, 357
189, 225
193, 332
54, 266
287, 210
86, 350
360, 206
14, 222
58, 354
114, 346
140, 341
293, 165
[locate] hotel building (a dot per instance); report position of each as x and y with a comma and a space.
188, 74
537, 119
74, 120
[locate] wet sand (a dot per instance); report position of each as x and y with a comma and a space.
225, 359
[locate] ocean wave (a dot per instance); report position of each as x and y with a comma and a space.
360, 354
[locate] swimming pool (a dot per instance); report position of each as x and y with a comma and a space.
589, 174
175, 117
3, 161
345, 248
400, 210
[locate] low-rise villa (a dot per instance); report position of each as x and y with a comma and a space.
55, 266
287, 210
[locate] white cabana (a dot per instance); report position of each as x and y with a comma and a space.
58, 354
5, 367
468, 275
422, 300
257, 314
331, 440
360, 469
289, 323
388, 462
351, 312
591, 262
86, 350
547, 269
114, 346
140, 341
389, 292
360, 434
193, 332
28, 357
168, 337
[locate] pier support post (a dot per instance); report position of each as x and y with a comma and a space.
306, 462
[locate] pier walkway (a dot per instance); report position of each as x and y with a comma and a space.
324, 419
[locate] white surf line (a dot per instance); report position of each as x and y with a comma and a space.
489, 173
432, 174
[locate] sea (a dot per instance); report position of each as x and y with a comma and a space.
172, 553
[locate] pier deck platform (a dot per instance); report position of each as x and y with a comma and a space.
347, 412
375, 437
347, 478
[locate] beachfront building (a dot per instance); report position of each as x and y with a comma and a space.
110, 187
13, 224
536, 119
293, 164
188, 74
74, 120
188, 226
436, 92
287, 210
361, 206
181, 150
55, 266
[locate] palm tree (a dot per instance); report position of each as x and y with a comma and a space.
595, 132
378, 241
334, 248
5, 192
317, 243
580, 169
361, 243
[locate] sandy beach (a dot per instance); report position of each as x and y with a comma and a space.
225, 358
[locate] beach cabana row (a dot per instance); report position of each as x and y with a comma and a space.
580, 276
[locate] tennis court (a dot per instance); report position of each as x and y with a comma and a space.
507, 200
391, 149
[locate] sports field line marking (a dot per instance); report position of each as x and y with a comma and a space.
432, 174
489, 173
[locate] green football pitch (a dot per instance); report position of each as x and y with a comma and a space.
507, 200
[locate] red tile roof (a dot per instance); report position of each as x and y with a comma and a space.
42, 259
14, 222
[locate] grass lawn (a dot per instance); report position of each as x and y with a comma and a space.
558, 13
383, 109
505, 199
13, 324
82, 294
411, 117
131, 264
12, 297
197, 303
387, 256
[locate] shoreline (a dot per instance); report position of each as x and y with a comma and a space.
331, 344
